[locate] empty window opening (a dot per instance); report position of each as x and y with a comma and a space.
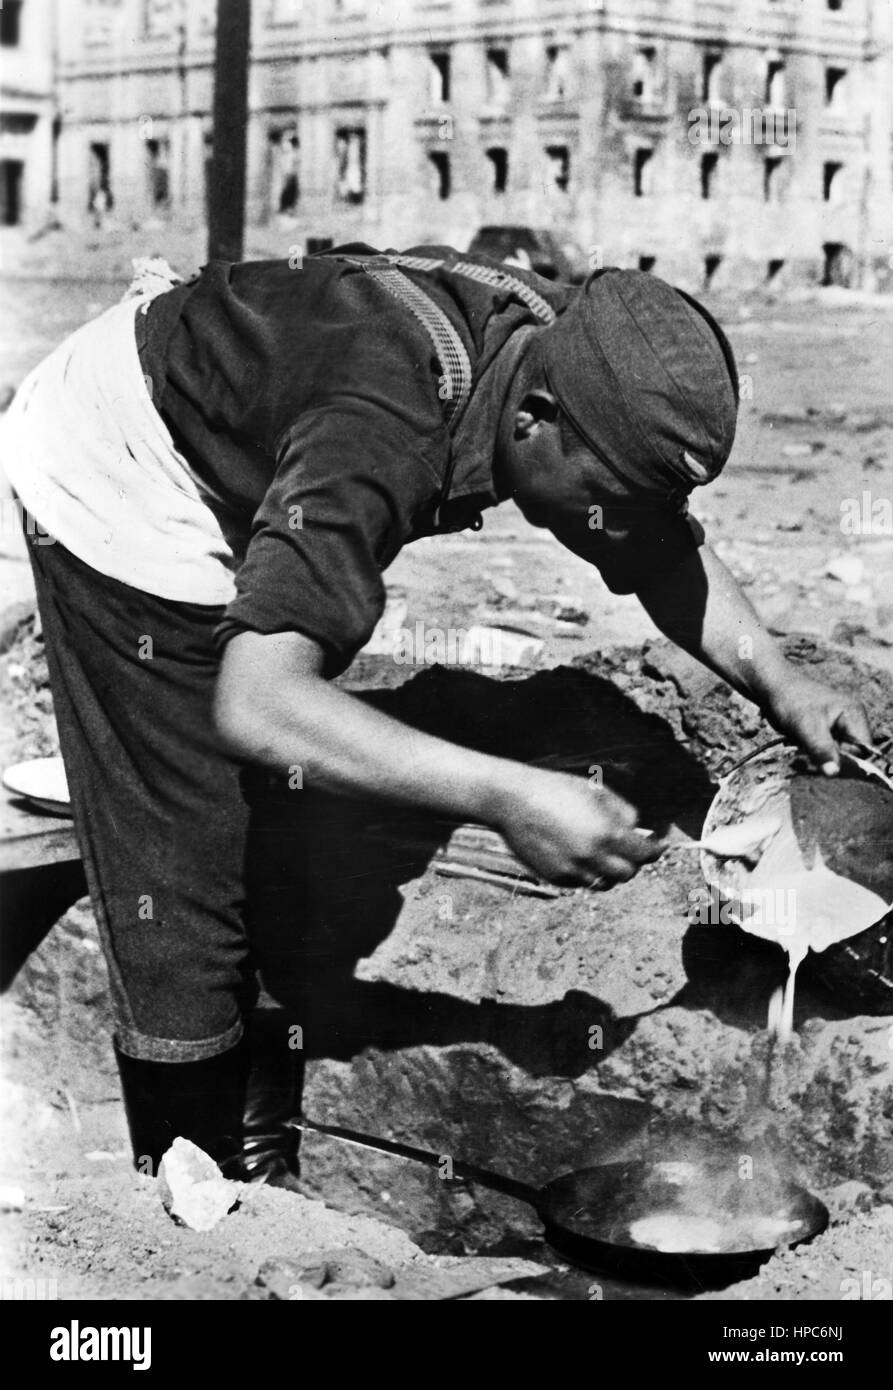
773, 270
709, 165
834, 86
835, 4
643, 180
17, 122
838, 269
11, 173
10, 27
208, 148
499, 159
771, 178
497, 75
350, 163
284, 185
556, 72
711, 74
440, 163
775, 84
317, 244
54, 174
440, 77
559, 167
711, 266
832, 181
644, 64
158, 172
647, 263
99, 190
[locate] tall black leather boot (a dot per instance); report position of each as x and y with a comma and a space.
202, 1101
273, 1096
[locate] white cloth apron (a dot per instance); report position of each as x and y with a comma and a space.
94, 464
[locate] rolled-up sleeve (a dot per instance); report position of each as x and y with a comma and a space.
349, 481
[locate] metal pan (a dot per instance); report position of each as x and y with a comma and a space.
859, 969
590, 1216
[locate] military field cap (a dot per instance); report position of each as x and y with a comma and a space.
647, 378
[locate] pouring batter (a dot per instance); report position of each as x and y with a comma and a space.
824, 875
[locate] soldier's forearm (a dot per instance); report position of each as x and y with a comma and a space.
274, 708
701, 607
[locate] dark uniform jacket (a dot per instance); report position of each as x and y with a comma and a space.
306, 402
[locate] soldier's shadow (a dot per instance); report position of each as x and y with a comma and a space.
323, 886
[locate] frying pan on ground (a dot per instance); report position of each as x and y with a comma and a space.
664, 1222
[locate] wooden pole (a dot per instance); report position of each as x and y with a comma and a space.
226, 201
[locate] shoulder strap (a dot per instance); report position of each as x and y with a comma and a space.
450, 350
491, 275
455, 364
452, 355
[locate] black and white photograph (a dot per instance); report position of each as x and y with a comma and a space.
446, 667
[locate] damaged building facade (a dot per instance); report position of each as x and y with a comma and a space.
715, 141
28, 128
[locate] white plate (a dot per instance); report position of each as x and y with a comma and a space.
41, 781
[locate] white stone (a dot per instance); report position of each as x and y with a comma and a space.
192, 1187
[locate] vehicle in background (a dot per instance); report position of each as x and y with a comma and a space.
532, 248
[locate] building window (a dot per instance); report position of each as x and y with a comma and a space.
440, 77
838, 268
497, 76
10, 23
832, 180
350, 163
643, 180
17, 122
11, 178
443, 183
775, 84
284, 187
99, 190
771, 178
709, 165
711, 266
158, 162
556, 72
208, 159
647, 263
835, 87
711, 75
558, 160
499, 159
835, 4
773, 270
644, 66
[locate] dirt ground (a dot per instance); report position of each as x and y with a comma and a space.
468, 1011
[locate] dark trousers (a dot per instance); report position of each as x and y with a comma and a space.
161, 818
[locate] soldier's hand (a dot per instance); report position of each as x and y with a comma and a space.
572, 832
816, 716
